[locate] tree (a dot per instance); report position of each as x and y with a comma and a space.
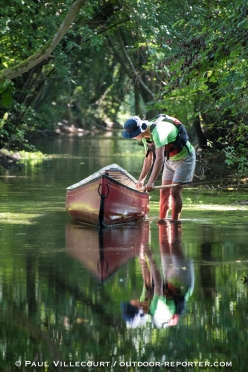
188, 58
41, 66
202, 50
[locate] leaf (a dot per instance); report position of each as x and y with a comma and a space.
213, 79
234, 53
7, 96
3, 120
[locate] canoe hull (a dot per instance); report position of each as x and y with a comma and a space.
83, 204
105, 201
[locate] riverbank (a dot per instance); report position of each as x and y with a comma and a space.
13, 159
10, 160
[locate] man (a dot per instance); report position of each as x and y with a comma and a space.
172, 150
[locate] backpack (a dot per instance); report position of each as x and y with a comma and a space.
180, 142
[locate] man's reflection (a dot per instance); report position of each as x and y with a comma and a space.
165, 292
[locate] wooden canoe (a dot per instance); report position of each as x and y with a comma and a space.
107, 197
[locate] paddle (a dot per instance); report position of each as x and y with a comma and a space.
193, 183
161, 187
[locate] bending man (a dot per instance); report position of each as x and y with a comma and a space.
166, 140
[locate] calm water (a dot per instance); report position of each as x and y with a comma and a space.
66, 290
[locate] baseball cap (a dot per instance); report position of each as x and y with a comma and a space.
132, 127
134, 316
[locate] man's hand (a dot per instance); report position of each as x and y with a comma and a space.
149, 187
139, 184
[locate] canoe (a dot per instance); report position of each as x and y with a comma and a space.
104, 251
107, 197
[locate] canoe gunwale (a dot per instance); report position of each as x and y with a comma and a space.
125, 186
99, 174
110, 179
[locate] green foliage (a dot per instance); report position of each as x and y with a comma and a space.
6, 94
188, 59
24, 155
25, 26
236, 159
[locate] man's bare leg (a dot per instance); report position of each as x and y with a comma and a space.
177, 202
164, 202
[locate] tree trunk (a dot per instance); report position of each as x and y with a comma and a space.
202, 140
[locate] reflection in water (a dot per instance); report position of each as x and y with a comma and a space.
104, 251
164, 294
207, 273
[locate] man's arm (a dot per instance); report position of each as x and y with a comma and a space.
156, 168
147, 164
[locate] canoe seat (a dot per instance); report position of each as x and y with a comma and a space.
120, 176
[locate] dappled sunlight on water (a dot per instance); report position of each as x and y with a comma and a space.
14, 218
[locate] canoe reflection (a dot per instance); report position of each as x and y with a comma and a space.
104, 251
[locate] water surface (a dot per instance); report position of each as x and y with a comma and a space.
65, 288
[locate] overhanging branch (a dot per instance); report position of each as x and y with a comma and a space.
133, 68
45, 52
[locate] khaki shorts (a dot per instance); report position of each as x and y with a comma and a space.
175, 267
179, 170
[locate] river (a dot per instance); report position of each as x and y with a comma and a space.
141, 297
